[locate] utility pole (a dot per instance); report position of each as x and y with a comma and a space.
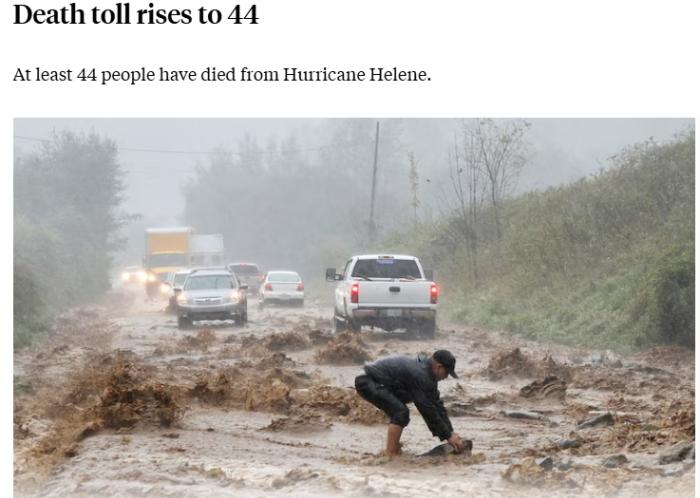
372, 226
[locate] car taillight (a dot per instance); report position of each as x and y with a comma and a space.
300, 287
355, 293
268, 287
433, 293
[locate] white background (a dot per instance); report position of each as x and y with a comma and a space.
497, 58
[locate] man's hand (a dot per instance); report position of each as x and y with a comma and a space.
456, 442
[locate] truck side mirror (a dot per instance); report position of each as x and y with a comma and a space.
331, 275
428, 274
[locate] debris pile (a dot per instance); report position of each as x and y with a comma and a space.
344, 349
307, 423
203, 339
516, 364
281, 341
343, 403
550, 387
108, 392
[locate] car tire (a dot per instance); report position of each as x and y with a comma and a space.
339, 325
184, 322
426, 329
354, 327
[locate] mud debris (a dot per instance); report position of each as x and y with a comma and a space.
514, 363
109, 392
203, 340
280, 341
615, 461
550, 387
598, 420
308, 423
342, 403
344, 349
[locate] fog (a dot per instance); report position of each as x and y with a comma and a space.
160, 157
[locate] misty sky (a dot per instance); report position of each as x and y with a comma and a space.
562, 150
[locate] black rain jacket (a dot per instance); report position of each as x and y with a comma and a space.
412, 380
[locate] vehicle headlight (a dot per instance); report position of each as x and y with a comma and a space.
152, 277
142, 276
164, 288
125, 276
234, 296
182, 298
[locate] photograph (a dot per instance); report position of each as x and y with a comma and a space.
353, 306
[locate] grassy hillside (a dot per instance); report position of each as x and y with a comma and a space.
605, 262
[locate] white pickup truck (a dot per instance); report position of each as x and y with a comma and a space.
386, 291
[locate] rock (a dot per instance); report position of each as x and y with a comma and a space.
604, 419
565, 444
547, 463
565, 465
447, 449
459, 409
678, 453
523, 415
615, 461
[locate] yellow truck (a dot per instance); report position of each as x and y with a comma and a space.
166, 250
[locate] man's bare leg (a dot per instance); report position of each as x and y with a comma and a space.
393, 438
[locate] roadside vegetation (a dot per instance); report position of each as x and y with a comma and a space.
66, 220
606, 262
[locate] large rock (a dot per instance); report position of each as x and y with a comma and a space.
678, 453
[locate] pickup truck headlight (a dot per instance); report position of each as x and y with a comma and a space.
182, 298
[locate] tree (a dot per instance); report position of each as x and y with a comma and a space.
67, 200
500, 148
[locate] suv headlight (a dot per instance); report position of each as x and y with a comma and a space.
151, 277
182, 298
234, 296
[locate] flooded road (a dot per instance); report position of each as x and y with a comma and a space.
122, 403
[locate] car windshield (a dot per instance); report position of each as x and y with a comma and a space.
386, 268
283, 277
245, 270
206, 282
167, 260
180, 278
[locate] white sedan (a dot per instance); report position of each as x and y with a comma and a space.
282, 287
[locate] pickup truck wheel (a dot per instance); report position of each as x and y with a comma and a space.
354, 327
338, 325
427, 329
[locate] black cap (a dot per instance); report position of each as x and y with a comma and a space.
447, 360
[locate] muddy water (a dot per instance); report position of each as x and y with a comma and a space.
313, 437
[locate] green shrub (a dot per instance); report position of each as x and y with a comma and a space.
666, 306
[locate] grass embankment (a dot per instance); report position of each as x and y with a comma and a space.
606, 262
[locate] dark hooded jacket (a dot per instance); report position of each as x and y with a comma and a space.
412, 380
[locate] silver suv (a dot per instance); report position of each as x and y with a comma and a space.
211, 295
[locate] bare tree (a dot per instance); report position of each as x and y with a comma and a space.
501, 149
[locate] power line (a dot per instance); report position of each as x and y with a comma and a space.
261, 152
